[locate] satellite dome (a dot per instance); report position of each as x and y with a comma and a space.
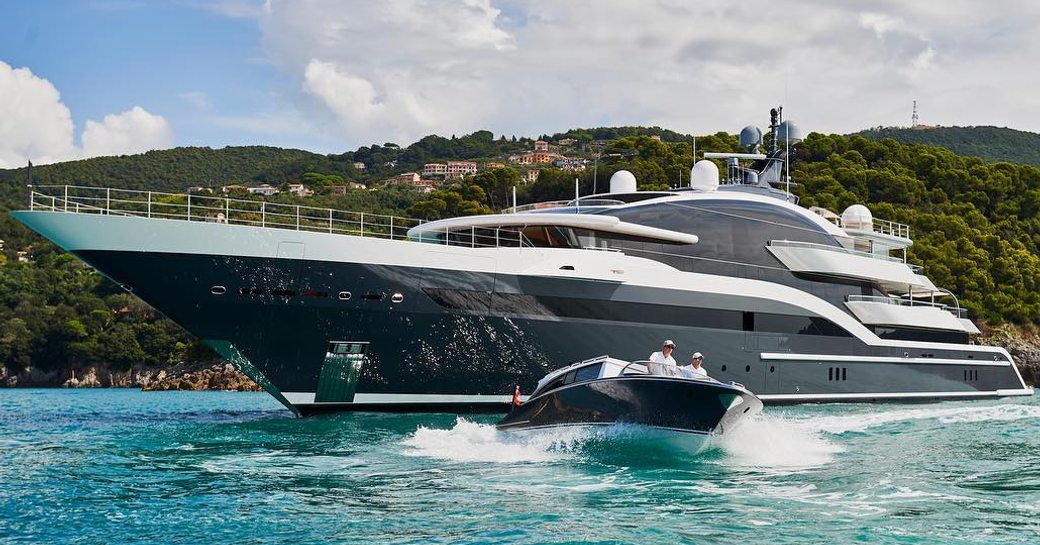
857, 217
788, 132
704, 176
623, 181
750, 138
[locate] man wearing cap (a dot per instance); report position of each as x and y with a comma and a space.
664, 357
694, 369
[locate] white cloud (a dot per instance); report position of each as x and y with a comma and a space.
401, 69
35, 124
33, 120
133, 131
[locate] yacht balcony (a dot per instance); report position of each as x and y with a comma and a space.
892, 274
899, 312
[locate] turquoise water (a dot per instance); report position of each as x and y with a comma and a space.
122, 466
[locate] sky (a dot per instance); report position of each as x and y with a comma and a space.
108, 77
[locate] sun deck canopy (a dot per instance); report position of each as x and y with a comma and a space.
608, 224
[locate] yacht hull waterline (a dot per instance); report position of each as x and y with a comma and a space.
451, 328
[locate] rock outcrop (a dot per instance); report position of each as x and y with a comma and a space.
1023, 343
218, 375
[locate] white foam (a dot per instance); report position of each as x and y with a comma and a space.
773, 441
861, 421
471, 442
781, 442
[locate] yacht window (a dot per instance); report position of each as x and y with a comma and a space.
549, 236
587, 373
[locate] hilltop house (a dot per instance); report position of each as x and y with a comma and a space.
342, 189
266, 190
300, 190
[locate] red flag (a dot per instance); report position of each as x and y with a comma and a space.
516, 396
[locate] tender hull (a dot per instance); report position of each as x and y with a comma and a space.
688, 406
454, 329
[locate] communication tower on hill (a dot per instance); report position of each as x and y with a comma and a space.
913, 120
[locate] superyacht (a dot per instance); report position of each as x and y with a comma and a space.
331, 310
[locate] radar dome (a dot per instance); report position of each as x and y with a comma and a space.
623, 181
857, 217
788, 132
704, 176
750, 138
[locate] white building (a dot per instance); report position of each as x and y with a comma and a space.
458, 169
300, 190
434, 169
263, 189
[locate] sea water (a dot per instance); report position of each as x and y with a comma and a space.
122, 466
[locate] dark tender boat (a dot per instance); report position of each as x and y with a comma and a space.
680, 407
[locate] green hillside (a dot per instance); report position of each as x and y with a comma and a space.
177, 169
993, 144
976, 225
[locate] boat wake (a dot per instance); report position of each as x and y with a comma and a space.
768, 440
473, 442
775, 441
863, 421
806, 441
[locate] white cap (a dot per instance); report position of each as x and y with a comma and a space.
698, 355
670, 343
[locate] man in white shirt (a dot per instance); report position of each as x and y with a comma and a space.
662, 358
694, 369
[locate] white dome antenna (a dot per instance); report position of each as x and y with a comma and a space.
788, 133
623, 181
858, 218
704, 176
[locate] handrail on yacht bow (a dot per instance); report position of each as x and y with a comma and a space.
251, 212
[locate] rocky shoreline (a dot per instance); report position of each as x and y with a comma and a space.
1022, 343
211, 375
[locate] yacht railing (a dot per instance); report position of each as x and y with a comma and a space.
547, 205
537, 206
918, 269
253, 212
955, 310
884, 227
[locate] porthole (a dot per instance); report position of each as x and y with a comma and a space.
218, 290
129, 288
747, 368
772, 369
396, 298
282, 292
723, 368
344, 296
243, 291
